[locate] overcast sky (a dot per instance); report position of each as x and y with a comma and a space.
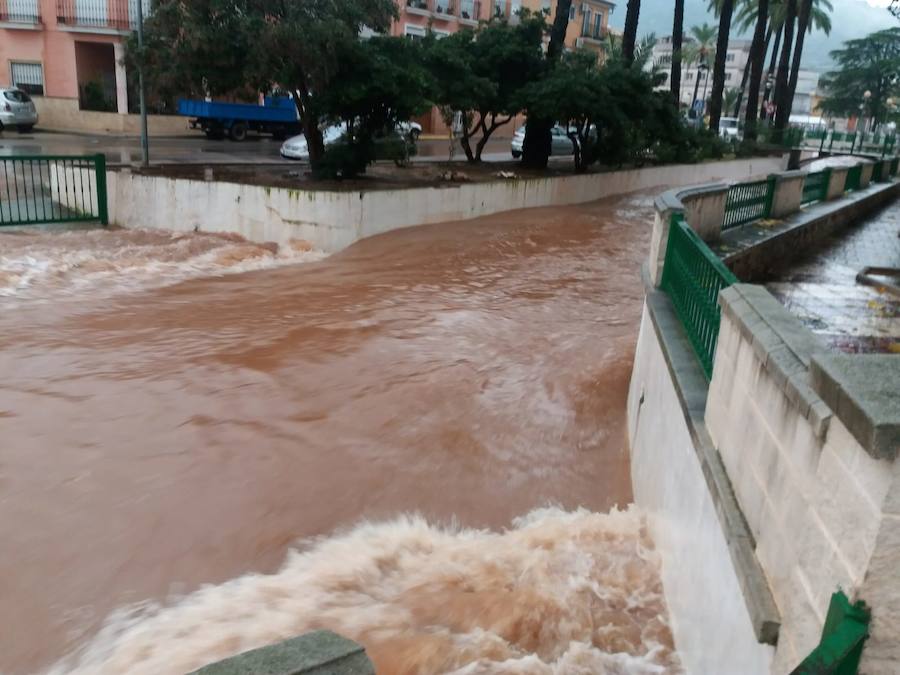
850, 19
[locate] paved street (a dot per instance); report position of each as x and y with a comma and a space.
193, 149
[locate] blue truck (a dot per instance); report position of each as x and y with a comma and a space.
217, 120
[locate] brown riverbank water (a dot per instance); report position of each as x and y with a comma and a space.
165, 425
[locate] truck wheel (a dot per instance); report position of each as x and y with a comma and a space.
238, 132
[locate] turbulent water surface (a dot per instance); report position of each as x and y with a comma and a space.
210, 445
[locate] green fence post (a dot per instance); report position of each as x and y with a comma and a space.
826, 183
100, 171
852, 142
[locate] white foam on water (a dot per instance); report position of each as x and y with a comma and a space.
41, 264
559, 593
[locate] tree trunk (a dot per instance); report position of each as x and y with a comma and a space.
677, 31
781, 79
740, 97
757, 60
315, 144
696, 88
770, 73
802, 25
629, 37
538, 140
718, 90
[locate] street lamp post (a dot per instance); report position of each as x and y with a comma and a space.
145, 144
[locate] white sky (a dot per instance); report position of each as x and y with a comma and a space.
850, 19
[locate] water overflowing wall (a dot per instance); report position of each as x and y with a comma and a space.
332, 220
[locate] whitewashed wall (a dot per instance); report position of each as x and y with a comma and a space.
331, 221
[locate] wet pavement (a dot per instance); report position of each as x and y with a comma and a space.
823, 291
196, 149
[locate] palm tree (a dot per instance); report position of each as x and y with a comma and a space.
677, 30
782, 103
701, 51
629, 37
805, 22
715, 105
756, 61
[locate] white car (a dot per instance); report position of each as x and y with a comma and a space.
729, 129
296, 147
17, 109
562, 144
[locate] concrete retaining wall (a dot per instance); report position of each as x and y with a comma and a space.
713, 630
331, 221
64, 114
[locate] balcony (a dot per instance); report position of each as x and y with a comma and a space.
444, 9
418, 7
20, 13
119, 16
594, 34
469, 11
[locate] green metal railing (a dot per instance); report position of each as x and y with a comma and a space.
52, 189
748, 201
815, 187
877, 172
692, 277
853, 177
894, 163
843, 637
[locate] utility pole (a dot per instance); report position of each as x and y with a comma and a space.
145, 145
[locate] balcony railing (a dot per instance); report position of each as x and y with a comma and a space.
594, 33
417, 4
20, 11
470, 10
444, 7
106, 14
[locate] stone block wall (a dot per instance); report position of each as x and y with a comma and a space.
812, 495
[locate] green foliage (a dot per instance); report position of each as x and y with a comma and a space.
703, 48
483, 74
868, 64
93, 97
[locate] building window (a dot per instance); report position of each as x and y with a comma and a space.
24, 11
414, 32
440, 34
29, 77
586, 23
499, 6
727, 76
572, 12
545, 6
729, 57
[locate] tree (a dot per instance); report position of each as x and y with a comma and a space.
378, 83
538, 142
805, 22
677, 34
868, 64
482, 74
219, 46
715, 106
629, 36
782, 103
756, 61
701, 50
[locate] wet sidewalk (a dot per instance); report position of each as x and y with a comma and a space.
822, 290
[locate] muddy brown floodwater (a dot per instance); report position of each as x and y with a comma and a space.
161, 432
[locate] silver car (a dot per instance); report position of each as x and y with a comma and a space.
17, 109
561, 143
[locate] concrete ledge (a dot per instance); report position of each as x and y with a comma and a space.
782, 344
755, 250
318, 653
862, 389
692, 388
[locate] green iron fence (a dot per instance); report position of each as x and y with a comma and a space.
853, 176
748, 201
815, 187
843, 637
894, 163
52, 189
877, 172
692, 277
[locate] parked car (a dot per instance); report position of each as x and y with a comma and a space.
729, 128
17, 110
561, 143
411, 129
389, 146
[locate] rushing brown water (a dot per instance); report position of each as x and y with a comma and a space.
157, 436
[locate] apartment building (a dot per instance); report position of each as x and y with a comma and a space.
68, 55
696, 78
